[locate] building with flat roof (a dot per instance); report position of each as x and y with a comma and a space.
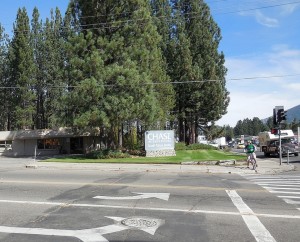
43, 142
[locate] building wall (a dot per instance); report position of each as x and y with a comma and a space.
28, 147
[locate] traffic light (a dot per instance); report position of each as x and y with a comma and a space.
281, 115
274, 131
274, 117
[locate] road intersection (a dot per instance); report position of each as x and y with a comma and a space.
68, 205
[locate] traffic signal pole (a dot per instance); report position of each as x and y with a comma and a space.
279, 115
280, 150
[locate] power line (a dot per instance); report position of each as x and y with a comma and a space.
104, 25
174, 82
258, 8
263, 77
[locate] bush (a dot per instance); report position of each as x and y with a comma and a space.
137, 152
201, 147
106, 154
180, 146
183, 146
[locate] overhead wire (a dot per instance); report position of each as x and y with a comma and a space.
104, 25
174, 82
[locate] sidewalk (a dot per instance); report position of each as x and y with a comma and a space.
265, 166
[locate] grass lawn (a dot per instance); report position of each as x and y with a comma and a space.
181, 156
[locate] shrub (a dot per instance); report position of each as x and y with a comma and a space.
106, 154
180, 146
137, 152
200, 147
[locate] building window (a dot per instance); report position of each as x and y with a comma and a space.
46, 144
5, 144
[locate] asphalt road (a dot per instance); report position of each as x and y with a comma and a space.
73, 205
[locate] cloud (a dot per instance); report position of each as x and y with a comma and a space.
249, 104
264, 20
256, 97
289, 9
294, 87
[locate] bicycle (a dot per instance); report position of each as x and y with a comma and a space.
252, 160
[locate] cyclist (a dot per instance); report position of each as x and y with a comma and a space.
251, 156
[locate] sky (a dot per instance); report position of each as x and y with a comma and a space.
260, 41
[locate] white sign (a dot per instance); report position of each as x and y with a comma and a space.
159, 140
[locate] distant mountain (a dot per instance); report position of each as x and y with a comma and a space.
291, 114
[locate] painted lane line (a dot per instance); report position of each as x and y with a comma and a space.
281, 188
163, 196
272, 191
289, 197
290, 201
278, 182
269, 176
257, 229
148, 225
150, 209
278, 185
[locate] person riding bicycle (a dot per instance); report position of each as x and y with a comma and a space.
250, 151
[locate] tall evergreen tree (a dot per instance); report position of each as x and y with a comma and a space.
207, 98
54, 51
22, 72
129, 45
5, 91
40, 59
85, 93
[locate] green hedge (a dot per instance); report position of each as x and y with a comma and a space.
111, 154
106, 154
183, 146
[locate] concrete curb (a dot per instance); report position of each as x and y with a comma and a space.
265, 167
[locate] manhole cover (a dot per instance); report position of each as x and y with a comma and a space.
140, 222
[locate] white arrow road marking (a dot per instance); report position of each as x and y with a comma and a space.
142, 195
83, 235
149, 225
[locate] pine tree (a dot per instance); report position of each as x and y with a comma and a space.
5, 92
132, 61
22, 72
85, 93
54, 49
202, 99
37, 43
205, 36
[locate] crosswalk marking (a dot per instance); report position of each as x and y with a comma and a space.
286, 187
281, 188
280, 185
289, 197
290, 201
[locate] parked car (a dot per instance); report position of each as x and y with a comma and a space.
240, 146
